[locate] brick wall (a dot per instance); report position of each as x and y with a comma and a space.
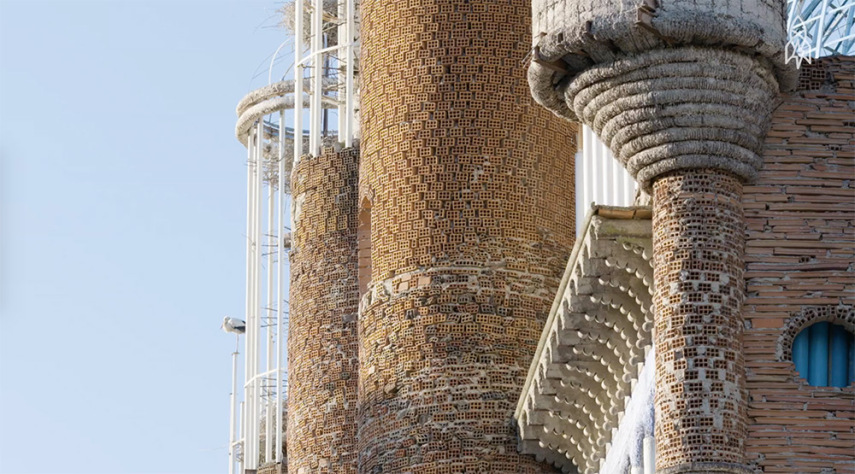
472, 222
800, 218
322, 339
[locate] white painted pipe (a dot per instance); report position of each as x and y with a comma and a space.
233, 408
250, 183
242, 437
279, 282
317, 68
649, 454
298, 88
349, 91
269, 311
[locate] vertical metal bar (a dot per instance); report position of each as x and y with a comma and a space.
250, 210
349, 92
820, 31
259, 260
233, 410
839, 353
341, 53
317, 82
279, 277
819, 355
269, 311
580, 190
608, 182
298, 84
242, 436
801, 353
597, 177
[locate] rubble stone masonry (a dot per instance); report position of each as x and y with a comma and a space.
800, 257
470, 188
322, 344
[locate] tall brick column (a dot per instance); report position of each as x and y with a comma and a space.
472, 221
698, 263
681, 91
324, 296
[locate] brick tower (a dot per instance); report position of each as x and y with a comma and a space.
681, 91
324, 298
469, 186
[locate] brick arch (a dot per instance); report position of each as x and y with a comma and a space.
843, 315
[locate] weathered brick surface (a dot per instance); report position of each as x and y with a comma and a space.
698, 241
471, 189
322, 339
800, 253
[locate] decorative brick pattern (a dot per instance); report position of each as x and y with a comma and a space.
800, 256
698, 241
472, 222
322, 341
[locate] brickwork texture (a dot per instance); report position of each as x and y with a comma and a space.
470, 186
698, 242
800, 269
322, 342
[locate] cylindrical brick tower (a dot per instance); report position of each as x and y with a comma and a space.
470, 189
322, 339
681, 91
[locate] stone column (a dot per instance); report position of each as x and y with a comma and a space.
324, 296
681, 91
470, 188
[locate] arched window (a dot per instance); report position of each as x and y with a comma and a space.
824, 355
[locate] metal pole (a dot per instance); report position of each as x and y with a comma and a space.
317, 84
256, 385
270, 312
250, 183
233, 408
298, 83
242, 437
349, 92
341, 75
279, 282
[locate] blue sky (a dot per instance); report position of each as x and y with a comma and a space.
122, 216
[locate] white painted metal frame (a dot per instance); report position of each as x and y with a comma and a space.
326, 65
266, 332
600, 178
330, 85
818, 28
265, 368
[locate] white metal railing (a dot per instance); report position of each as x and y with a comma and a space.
326, 57
265, 369
600, 178
323, 81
